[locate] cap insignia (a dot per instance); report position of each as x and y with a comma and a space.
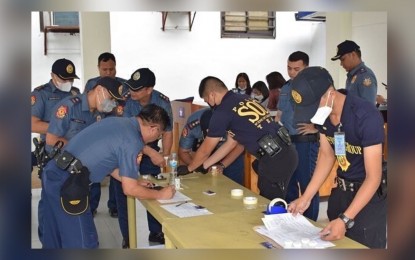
69, 68
74, 202
136, 76
296, 96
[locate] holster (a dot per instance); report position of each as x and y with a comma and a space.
268, 145
66, 161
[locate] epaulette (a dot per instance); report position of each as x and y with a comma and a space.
361, 70
40, 87
193, 124
75, 91
75, 100
162, 96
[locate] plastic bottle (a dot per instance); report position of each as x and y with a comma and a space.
173, 168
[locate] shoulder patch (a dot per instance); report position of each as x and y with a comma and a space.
193, 124
62, 112
162, 96
75, 100
33, 99
40, 87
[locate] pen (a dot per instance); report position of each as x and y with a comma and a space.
181, 203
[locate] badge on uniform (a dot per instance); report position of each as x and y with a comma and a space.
61, 112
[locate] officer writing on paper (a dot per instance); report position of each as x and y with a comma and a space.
101, 149
351, 132
247, 125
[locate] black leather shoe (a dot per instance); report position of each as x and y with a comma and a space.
125, 243
156, 237
113, 213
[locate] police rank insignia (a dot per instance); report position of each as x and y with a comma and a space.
296, 96
61, 112
367, 82
354, 78
69, 68
136, 76
164, 97
343, 162
33, 99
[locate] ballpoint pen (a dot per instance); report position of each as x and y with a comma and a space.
181, 203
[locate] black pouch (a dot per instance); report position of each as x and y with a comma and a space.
269, 145
64, 160
284, 135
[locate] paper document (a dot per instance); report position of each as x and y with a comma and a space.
187, 209
178, 197
292, 232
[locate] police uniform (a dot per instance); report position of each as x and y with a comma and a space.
101, 148
44, 98
363, 127
249, 123
361, 81
192, 136
307, 150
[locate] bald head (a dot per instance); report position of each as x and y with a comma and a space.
210, 84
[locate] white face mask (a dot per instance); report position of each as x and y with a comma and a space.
322, 113
65, 86
107, 105
257, 97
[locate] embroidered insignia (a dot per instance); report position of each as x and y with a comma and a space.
136, 76
69, 68
185, 132
75, 100
354, 78
99, 118
33, 99
139, 157
164, 97
120, 110
61, 112
343, 162
367, 82
296, 96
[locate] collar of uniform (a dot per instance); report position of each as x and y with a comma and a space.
52, 86
356, 69
84, 101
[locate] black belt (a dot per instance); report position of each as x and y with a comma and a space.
66, 161
308, 138
347, 185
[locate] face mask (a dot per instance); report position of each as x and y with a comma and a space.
107, 105
257, 97
322, 113
65, 86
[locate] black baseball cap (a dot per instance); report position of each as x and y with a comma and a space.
141, 78
345, 47
307, 89
113, 86
64, 69
75, 193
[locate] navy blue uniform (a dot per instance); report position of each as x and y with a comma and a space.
101, 147
247, 122
361, 81
363, 126
192, 136
307, 150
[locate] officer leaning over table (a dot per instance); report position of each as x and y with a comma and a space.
351, 132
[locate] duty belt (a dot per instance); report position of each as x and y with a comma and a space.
66, 161
272, 145
308, 138
347, 185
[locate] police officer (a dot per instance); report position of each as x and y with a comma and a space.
141, 86
351, 131
193, 134
73, 114
303, 134
247, 124
106, 68
97, 151
361, 80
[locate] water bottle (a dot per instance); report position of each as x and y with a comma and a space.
173, 168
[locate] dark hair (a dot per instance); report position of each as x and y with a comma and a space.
299, 55
208, 82
106, 56
154, 114
248, 83
262, 87
275, 80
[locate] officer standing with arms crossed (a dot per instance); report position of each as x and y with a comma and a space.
141, 86
76, 113
351, 131
247, 124
361, 80
193, 134
101, 149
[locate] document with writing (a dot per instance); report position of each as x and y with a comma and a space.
178, 197
292, 232
186, 209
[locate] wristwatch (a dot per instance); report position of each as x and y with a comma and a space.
349, 222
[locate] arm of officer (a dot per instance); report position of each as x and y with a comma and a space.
131, 187
39, 126
227, 151
51, 139
186, 155
233, 155
203, 153
323, 168
156, 157
167, 141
